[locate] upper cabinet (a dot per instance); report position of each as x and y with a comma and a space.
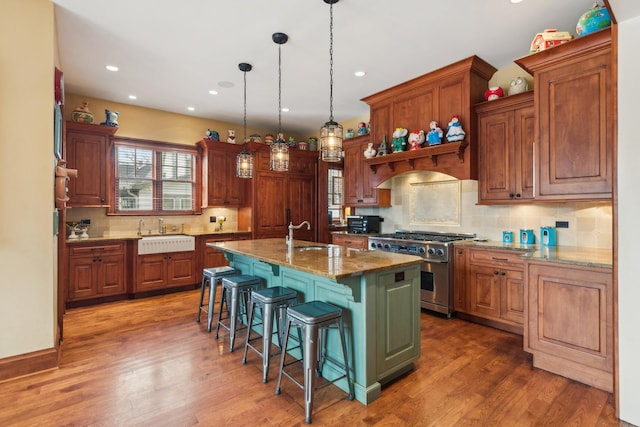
506, 131
87, 147
439, 95
222, 188
358, 188
575, 118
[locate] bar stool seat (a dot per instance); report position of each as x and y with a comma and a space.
210, 278
314, 319
272, 303
236, 286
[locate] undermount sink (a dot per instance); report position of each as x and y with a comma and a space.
162, 244
309, 248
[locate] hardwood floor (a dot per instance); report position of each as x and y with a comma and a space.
147, 362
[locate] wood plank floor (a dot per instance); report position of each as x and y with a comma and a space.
148, 363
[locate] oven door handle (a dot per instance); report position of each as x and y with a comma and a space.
436, 261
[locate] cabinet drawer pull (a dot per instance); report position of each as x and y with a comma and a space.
499, 259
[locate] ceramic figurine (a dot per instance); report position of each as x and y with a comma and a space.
370, 151
313, 143
254, 137
594, 19
292, 142
416, 139
349, 133
518, 85
399, 141
549, 38
112, 119
212, 135
362, 129
268, 139
383, 150
231, 139
434, 136
454, 130
494, 92
82, 114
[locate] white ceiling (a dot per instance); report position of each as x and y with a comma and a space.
171, 53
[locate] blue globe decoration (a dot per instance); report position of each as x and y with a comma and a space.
595, 19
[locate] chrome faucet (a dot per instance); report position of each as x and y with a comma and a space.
161, 227
289, 239
140, 224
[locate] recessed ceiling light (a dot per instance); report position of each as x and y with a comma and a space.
515, 1
111, 68
213, 92
226, 84
133, 97
191, 109
359, 73
285, 110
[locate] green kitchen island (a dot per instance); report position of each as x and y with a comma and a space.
379, 293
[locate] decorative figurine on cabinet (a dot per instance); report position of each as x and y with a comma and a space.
231, 139
268, 139
254, 137
362, 129
383, 150
370, 151
416, 139
399, 141
434, 136
454, 130
112, 119
212, 135
349, 133
494, 92
594, 19
518, 85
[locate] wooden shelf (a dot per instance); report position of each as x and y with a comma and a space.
391, 160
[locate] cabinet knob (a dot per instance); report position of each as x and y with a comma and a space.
511, 195
502, 273
496, 272
518, 195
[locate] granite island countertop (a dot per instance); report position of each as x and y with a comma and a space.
572, 255
326, 260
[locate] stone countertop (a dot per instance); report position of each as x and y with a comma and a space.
134, 236
345, 232
573, 255
330, 261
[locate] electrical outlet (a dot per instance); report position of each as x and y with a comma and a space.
212, 219
562, 224
85, 222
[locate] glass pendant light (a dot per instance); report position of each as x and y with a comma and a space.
331, 132
244, 160
279, 159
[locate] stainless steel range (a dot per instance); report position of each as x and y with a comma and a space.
436, 275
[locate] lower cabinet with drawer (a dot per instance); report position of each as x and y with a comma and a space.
491, 290
165, 270
97, 270
353, 241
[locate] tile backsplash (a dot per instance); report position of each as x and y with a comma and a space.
590, 223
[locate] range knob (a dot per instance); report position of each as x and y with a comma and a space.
440, 252
422, 251
431, 251
387, 246
373, 245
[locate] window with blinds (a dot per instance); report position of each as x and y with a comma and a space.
153, 180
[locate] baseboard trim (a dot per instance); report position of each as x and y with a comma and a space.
28, 363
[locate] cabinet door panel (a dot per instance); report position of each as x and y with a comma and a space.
83, 278
512, 295
524, 138
271, 204
180, 268
151, 272
485, 290
86, 153
301, 204
113, 275
496, 154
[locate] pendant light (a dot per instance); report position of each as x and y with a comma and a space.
244, 160
279, 159
331, 132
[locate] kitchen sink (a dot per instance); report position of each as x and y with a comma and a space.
309, 248
162, 244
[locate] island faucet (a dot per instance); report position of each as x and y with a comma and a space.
289, 239
161, 228
140, 224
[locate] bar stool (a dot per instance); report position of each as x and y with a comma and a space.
240, 285
210, 278
314, 318
272, 303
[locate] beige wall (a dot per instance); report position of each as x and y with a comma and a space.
27, 244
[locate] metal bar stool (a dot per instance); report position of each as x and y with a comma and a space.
210, 278
237, 286
314, 318
272, 303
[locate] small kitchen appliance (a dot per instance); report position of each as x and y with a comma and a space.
507, 236
548, 236
363, 224
527, 237
436, 272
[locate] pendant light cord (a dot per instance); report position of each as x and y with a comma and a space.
244, 118
279, 89
331, 62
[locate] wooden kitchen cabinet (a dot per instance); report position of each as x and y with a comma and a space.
506, 132
353, 241
165, 270
358, 190
569, 321
494, 282
97, 270
224, 188
87, 150
575, 120
460, 288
